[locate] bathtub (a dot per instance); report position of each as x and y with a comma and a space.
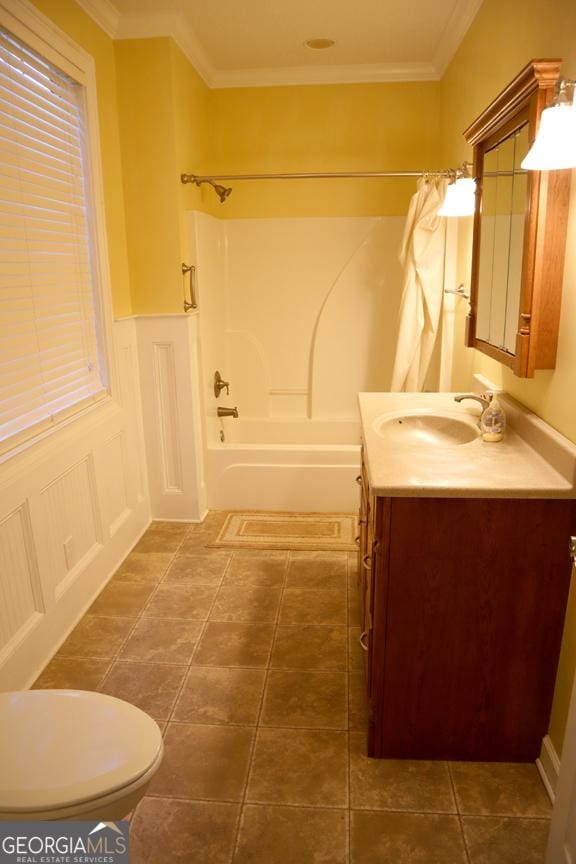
284, 465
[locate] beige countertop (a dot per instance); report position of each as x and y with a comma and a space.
532, 460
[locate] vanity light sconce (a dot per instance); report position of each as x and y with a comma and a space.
460, 197
555, 145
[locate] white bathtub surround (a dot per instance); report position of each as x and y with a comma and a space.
422, 257
168, 353
72, 507
299, 314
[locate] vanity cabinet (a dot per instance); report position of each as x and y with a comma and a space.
463, 604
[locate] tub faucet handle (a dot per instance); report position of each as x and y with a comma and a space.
227, 412
220, 384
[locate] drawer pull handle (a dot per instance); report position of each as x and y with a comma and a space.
367, 562
363, 644
359, 479
357, 540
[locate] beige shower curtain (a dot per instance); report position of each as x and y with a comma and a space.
422, 258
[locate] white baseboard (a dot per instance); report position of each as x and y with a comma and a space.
548, 765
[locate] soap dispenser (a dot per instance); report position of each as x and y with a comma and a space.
493, 422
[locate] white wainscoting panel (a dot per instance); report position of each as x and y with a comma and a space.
71, 517
20, 590
72, 505
168, 349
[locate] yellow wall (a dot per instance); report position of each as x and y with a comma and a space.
82, 29
340, 127
502, 39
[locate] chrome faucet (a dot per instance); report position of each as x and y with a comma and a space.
483, 399
227, 412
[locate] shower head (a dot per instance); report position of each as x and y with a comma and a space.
222, 191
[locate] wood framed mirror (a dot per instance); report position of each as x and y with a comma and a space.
519, 233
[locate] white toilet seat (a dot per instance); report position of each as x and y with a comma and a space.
71, 754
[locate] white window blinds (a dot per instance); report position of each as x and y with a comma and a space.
49, 352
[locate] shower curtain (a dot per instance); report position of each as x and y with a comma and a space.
422, 258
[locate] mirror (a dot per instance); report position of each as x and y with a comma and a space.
519, 229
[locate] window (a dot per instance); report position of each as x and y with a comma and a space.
50, 354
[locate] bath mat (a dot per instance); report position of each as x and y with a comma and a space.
316, 532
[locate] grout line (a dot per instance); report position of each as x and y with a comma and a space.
198, 641
260, 708
457, 806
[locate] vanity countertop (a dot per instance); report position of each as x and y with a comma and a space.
532, 460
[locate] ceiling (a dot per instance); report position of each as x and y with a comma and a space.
237, 43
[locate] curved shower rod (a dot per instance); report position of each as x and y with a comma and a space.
223, 192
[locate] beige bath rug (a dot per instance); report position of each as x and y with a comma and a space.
317, 532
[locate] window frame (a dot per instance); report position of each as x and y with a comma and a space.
33, 28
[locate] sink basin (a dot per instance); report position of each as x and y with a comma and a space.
427, 429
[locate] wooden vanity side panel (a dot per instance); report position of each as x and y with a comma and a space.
377, 692
475, 598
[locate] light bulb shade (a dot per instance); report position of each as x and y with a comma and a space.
555, 144
460, 198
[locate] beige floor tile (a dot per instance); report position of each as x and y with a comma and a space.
234, 644
151, 687
405, 838
164, 831
181, 601
198, 540
320, 570
397, 784
291, 835
159, 540
505, 841
122, 599
305, 699
141, 567
310, 646
357, 703
260, 571
313, 606
299, 766
499, 789
96, 637
73, 674
204, 762
246, 603
355, 653
217, 695
204, 567
157, 640
176, 528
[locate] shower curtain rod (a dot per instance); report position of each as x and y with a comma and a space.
223, 191
198, 178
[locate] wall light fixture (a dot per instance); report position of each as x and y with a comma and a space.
460, 195
555, 143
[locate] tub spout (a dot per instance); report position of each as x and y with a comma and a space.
227, 412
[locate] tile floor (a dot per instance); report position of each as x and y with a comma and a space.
250, 662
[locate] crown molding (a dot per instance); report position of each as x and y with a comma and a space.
175, 25
301, 75
104, 13
168, 24
458, 25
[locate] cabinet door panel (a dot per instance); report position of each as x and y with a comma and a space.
475, 601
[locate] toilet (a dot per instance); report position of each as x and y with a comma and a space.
74, 754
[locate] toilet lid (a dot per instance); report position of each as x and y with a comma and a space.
60, 747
